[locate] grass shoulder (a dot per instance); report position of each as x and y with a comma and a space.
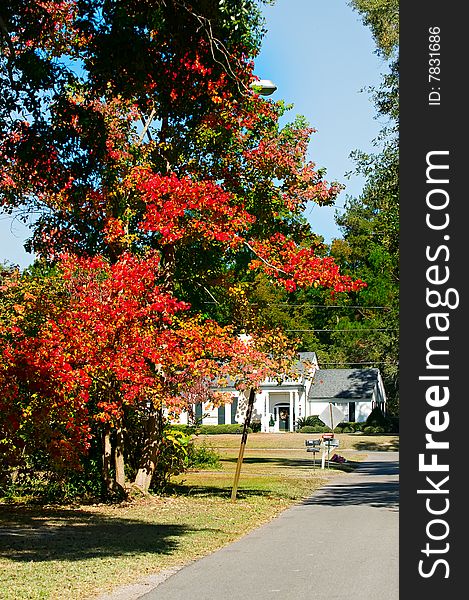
62, 552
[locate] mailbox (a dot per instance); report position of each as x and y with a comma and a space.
314, 447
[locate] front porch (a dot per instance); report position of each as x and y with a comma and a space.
279, 409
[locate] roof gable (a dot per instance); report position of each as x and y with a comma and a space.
350, 384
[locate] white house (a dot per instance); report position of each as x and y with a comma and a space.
355, 391
278, 406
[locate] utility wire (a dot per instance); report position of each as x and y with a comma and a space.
314, 305
373, 362
350, 330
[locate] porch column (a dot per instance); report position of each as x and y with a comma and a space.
291, 410
298, 411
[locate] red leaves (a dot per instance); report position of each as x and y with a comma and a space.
182, 208
294, 266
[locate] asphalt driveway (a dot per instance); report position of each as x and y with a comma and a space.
340, 544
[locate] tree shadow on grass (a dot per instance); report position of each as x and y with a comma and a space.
297, 463
376, 446
304, 464
223, 492
31, 534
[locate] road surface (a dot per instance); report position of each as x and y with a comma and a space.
340, 544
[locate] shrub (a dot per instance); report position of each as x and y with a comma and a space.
314, 429
201, 456
171, 458
369, 430
44, 487
377, 419
187, 429
219, 429
311, 421
214, 429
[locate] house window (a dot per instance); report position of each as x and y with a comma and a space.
221, 415
351, 411
234, 408
198, 410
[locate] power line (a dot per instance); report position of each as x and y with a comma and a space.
373, 362
333, 330
314, 305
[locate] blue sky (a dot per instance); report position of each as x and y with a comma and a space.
320, 56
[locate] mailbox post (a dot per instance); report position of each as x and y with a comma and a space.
313, 446
329, 441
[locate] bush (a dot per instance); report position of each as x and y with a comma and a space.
314, 429
202, 457
214, 429
369, 430
171, 459
350, 426
45, 487
187, 429
219, 429
380, 422
311, 421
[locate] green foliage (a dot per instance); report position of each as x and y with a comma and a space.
314, 429
382, 16
214, 429
234, 428
377, 422
376, 418
311, 421
313, 424
49, 487
171, 458
350, 426
187, 429
370, 250
369, 430
202, 456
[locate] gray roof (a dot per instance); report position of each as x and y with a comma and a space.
305, 358
346, 384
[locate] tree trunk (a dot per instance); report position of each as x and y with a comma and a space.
119, 458
112, 486
107, 457
168, 264
146, 470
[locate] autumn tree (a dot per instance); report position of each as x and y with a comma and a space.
360, 328
158, 178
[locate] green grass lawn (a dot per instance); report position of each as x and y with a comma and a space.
56, 552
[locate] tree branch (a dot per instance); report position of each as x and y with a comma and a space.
263, 259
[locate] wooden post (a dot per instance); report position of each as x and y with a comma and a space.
244, 437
